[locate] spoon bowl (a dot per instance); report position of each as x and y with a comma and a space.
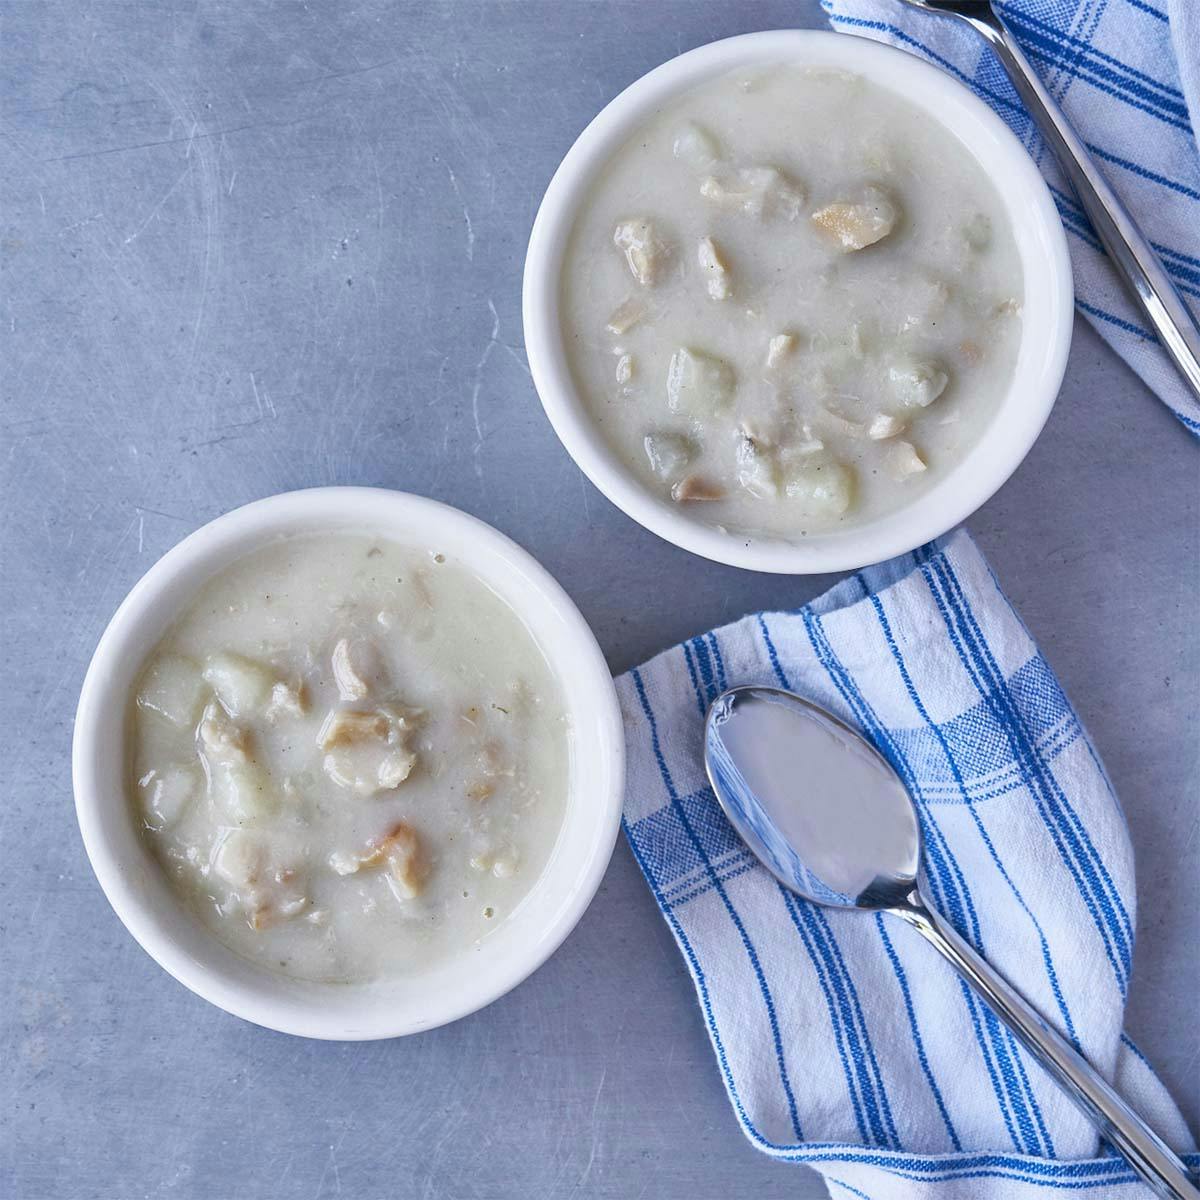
820, 807
825, 813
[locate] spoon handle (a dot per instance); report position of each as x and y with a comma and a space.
1148, 281
1145, 1151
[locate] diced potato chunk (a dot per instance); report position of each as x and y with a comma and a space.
716, 274
695, 487
821, 485
624, 372
173, 688
240, 859
698, 384
669, 453
758, 192
884, 425
695, 146
854, 226
645, 252
756, 468
903, 461
625, 316
917, 383
242, 791
166, 793
242, 685
779, 347
351, 685
367, 752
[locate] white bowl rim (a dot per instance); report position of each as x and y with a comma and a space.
1047, 319
136, 887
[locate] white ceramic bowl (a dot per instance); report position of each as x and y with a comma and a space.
1046, 323
135, 884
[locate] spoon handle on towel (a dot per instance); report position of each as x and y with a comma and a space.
1148, 281
1145, 1151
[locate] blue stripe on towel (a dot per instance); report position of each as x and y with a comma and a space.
903, 1083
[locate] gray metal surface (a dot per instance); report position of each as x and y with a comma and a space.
251, 248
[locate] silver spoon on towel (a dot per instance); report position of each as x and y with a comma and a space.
1127, 247
831, 820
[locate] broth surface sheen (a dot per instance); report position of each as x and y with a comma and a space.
791, 301
349, 756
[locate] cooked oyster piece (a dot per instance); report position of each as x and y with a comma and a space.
265, 890
221, 739
400, 849
693, 487
367, 752
854, 226
758, 192
351, 685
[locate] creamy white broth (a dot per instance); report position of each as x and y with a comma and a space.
791, 301
350, 757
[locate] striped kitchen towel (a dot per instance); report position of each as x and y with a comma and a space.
844, 1042
1127, 74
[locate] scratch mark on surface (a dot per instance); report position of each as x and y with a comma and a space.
465, 213
587, 1170
517, 354
141, 530
81, 223
175, 141
334, 1147
229, 189
137, 233
264, 402
477, 385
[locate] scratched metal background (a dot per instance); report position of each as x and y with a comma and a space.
249, 248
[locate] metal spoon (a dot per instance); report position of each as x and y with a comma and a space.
831, 820
1148, 281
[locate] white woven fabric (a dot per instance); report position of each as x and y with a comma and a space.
1112, 66
843, 1040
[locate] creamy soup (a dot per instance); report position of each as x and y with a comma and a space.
349, 756
791, 301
